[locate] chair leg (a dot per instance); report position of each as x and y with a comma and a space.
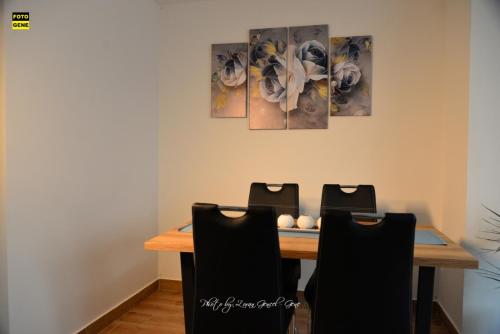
292, 329
309, 320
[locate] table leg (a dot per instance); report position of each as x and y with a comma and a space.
187, 268
424, 300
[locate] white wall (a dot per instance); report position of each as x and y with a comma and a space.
399, 149
82, 149
481, 296
454, 168
4, 312
82, 109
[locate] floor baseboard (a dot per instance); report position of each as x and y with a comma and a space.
168, 284
174, 285
105, 320
445, 318
439, 313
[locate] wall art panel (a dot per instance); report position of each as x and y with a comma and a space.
267, 78
307, 90
351, 76
229, 80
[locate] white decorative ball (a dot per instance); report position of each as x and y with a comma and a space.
285, 221
318, 223
305, 222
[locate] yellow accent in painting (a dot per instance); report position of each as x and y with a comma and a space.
333, 108
322, 89
365, 90
340, 59
368, 45
256, 73
220, 101
337, 40
270, 48
254, 90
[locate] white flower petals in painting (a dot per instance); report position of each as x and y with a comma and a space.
273, 84
234, 72
296, 81
308, 97
313, 57
314, 71
346, 75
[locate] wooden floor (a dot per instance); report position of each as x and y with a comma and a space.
162, 312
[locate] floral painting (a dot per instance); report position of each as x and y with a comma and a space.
229, 80
307, 89
351, 76
267, 86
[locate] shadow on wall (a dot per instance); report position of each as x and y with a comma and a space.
419, 209
310, 206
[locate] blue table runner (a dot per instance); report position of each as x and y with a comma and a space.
422, 237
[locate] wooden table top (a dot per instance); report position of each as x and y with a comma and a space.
451, 255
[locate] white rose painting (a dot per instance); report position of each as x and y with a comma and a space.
229, 80
307, 90
267, 85
351, 76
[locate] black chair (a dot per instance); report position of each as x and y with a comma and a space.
285, 201
362, 199
237, 259
364, 275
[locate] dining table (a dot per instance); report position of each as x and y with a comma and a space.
432, 250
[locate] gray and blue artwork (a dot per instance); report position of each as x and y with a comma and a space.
351, 76
307, 86
229, 80
267, 78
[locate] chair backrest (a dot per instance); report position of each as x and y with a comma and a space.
284, 200
237, 260
360, 200
364, 275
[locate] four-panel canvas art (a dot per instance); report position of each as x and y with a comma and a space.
292, 78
